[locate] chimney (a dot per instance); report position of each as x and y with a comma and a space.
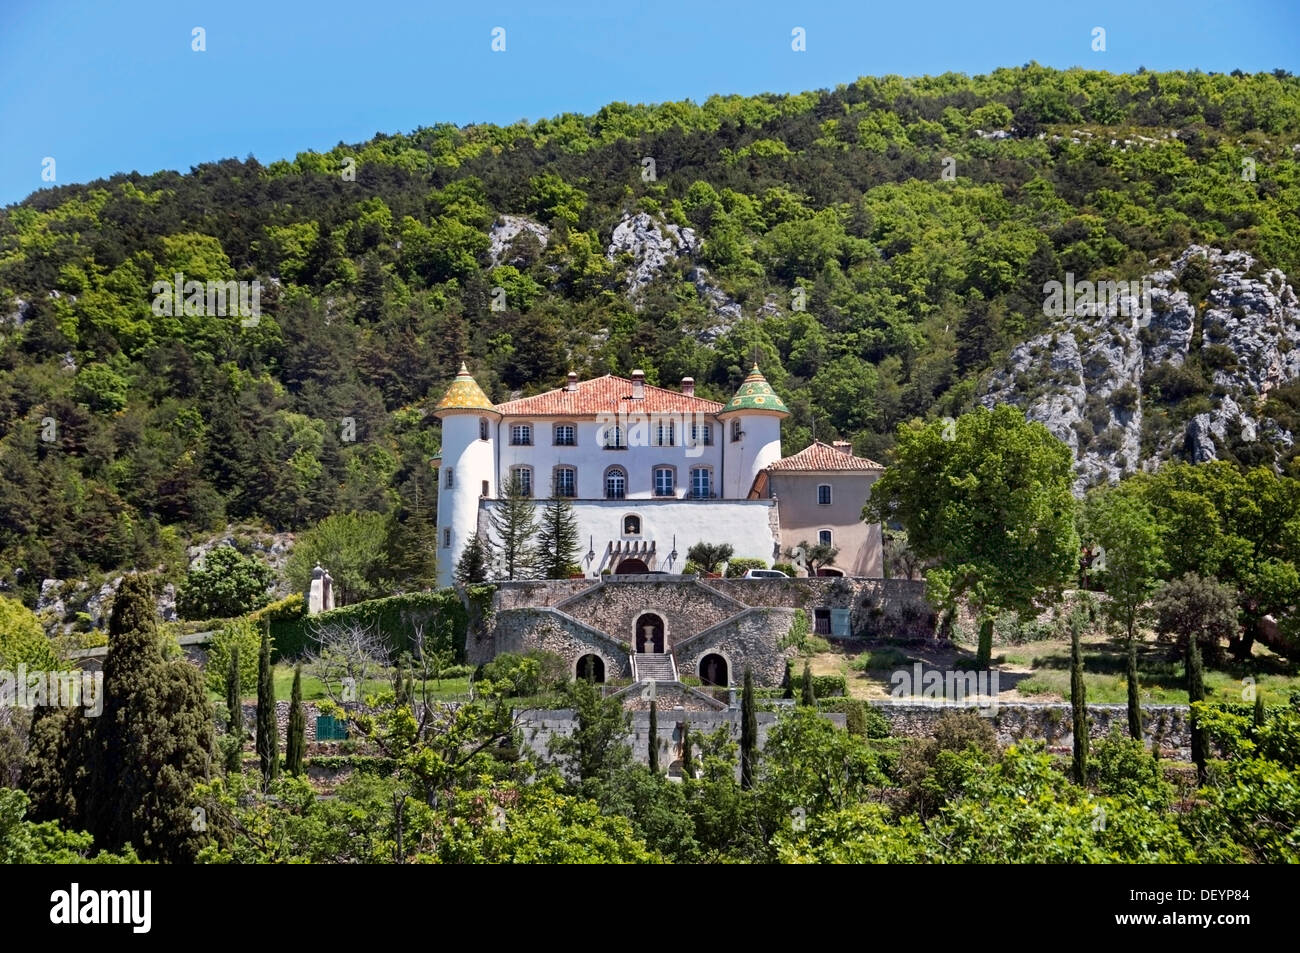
688, 386
572, 385
843, 446
638, 385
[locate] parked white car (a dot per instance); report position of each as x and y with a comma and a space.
765, 574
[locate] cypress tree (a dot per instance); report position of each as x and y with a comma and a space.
296, 743
128, 775
654, 737
748, 734
235, 725
1196, 693
268, 741
688, 756
809, 697
1134, 703
1078, 704
1260, 715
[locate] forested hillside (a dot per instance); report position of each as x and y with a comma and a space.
880, 248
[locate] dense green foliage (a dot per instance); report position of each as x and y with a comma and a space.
373, 290
22, 640
226, 583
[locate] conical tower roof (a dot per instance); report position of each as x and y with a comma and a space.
756, 395
464, 394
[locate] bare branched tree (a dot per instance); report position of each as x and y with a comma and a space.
346, 653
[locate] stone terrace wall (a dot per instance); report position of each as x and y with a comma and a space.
539, 726
1167, 725
521, 630
541, 592
750, 639
881, 608
685, 606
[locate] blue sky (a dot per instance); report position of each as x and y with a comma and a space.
104, 87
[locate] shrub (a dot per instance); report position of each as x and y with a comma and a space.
227, 583
245, 633
787, 568
527, 674
22, 640
740, 565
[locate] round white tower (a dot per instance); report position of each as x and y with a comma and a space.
751, 434
467, 467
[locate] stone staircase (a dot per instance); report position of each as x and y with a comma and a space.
654, 667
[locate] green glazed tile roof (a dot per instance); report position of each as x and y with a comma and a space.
756, 394
464, 394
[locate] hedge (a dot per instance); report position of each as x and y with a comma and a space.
824, 686
740, 565
860, 717
444, 614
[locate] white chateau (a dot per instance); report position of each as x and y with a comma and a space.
650, 472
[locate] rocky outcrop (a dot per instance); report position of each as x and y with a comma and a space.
503, 233
1089, 379
651, 246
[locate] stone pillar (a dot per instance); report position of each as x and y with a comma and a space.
316, 595
327, 598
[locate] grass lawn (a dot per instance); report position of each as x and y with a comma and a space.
449, 689
1040, 671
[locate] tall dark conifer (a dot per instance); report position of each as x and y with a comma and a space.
235, 709
268, 739
1196, 693
1078, 703
654, 737
748, 734
296, 742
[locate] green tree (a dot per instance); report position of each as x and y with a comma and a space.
557, 541
1196, 695
225, 584
709, 556
653, 739
1078, 704
989, 498
268, 738
1131, 559
29, 842
475, 562
748, 733
234, 712
241, 638
514, 522
814, 556
808, 697
296, 742
1195, 607
354, 548
22, 640
598, 745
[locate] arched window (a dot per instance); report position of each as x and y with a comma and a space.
631, 525
522, 477
823, 494
824, 537
615, 483
736, 432
713, 670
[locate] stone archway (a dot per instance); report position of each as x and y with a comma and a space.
631, 566
649, 633
714, 670
591, 667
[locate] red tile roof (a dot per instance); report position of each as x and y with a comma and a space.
607, 394
819, 456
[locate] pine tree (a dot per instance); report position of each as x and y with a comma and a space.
514, 522
688, 756
1134, 700
296, 743
268, 740
1196, 693
808, 698
654, 737
475, 562
235, 707
557, 541
748, 734
1078, 703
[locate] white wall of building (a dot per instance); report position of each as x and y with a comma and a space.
748, 525
592, 459
471, 460
757, 449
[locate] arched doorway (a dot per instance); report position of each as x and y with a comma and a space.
649, 633
629, 567
713, 670
829, 572
591, 668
